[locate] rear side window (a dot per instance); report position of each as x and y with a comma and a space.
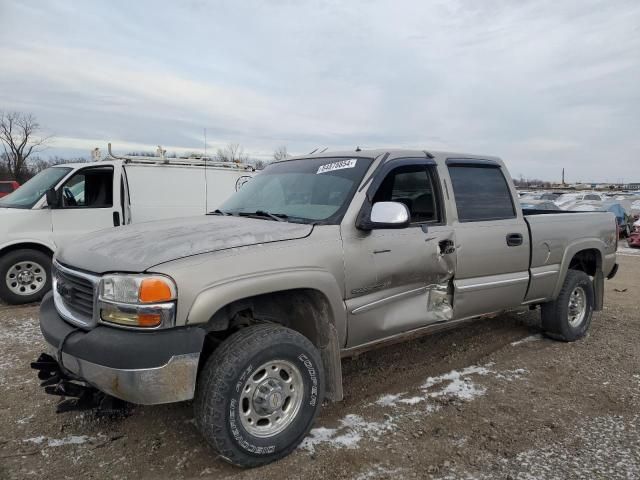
481, 193
6, 188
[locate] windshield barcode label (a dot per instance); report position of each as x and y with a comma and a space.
330, 167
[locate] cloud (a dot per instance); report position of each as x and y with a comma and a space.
541, 83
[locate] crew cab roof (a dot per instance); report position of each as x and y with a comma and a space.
392, 154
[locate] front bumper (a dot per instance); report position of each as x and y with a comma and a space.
139, 367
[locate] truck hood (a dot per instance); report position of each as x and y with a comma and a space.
136, 248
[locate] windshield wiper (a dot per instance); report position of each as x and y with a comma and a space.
217, 211
278, 217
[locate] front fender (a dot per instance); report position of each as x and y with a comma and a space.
27, 243
218, 295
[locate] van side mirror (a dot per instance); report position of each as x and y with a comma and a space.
53, 201
384, 215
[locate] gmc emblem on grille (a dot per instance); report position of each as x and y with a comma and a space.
66, 291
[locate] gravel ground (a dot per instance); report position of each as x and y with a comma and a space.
493, 399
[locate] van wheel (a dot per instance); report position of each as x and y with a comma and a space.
258, 394
569, 316
25, 276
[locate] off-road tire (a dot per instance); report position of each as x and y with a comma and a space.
218, 393
10, 259
555, 315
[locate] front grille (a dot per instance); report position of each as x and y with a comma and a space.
74, 294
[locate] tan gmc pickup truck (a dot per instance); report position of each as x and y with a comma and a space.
249, 310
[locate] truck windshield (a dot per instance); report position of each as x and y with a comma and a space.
309, 190
32, 191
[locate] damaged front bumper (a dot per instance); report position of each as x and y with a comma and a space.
146, 368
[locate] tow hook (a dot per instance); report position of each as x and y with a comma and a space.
76, 395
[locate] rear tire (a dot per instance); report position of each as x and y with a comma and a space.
25, 276
258, 394
569, 316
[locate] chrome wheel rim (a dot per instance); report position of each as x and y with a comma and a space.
26, 278
271, 398
577, 306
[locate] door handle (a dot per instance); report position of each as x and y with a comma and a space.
116, 219
514, 239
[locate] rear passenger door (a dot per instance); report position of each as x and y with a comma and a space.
492, 239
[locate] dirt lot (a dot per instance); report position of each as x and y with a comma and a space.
491, 400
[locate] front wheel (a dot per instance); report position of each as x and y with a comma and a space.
258, 394
25, 276
569, 316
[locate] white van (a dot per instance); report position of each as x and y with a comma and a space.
66, 201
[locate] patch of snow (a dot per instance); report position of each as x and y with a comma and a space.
24, 420
379, 471
389, 400
511, 375
530, 338
456, 384
58, 442
37, 440
628, 252
352, 429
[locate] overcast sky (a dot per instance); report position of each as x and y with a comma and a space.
544, 84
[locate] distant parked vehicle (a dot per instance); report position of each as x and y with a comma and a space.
538, 205
577, 197
64, 202
540, 196
7, 187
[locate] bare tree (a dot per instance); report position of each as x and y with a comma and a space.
233, 152
281, 153
20, 138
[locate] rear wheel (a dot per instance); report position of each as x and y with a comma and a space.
258, 394
25, 276
568, 317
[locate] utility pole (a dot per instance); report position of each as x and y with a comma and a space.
563, 177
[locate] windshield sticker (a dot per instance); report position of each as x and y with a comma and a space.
342, 164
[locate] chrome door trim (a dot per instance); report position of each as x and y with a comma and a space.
384, 301
493, 283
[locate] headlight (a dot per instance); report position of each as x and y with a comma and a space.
146, 301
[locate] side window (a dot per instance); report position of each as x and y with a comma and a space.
414, 187
481, 193
89, 188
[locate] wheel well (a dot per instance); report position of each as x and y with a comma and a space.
589, 261
23, 246
304, 310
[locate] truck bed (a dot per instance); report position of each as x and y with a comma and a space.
552, 234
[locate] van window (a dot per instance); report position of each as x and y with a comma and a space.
481, 193
412, 186
89, 188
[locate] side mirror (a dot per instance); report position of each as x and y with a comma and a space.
53, 201
385, 215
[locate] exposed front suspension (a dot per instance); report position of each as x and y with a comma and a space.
76, 395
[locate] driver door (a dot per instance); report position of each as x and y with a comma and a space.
88, 201
398, 279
